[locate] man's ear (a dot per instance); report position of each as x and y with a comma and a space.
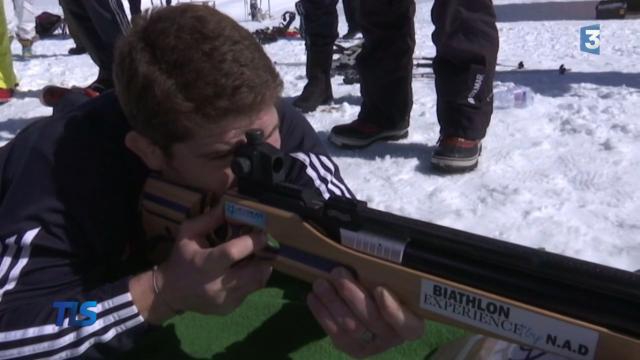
149, 152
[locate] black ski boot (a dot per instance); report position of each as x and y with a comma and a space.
317, 91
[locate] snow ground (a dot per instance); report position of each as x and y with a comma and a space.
561, 174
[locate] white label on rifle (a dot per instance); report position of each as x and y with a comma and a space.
245, 215
376, 245
524, 326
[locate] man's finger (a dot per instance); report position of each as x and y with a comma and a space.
360, 303
325, 292
217, 259
323, 316
405, 323
201, 225
343, 341
248, 285
247, 276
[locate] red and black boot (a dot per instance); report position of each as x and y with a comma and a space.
455, 154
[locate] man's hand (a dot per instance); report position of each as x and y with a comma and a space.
357, 323
204, 279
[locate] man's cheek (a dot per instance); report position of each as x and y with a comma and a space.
230, 178
219, 182
275, 141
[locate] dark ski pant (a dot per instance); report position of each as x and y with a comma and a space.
351, 13
466, 40
319, 21
98, 24
135, 7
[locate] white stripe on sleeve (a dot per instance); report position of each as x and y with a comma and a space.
320, 170
8, 256
52, 328
330, 176
98, 339
325, 160
25, 246
312, 174
100, 324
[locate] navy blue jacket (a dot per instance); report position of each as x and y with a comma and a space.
69, 193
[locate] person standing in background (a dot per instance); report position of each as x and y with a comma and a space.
351, 9
21, 22
466, 40
135, 7
7, 76
319, 20
78, 48
98, 24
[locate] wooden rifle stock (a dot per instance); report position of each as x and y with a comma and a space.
555, 303
307, 252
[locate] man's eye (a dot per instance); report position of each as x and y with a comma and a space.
220, 157
273, 132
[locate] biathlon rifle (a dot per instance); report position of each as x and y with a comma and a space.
555, 303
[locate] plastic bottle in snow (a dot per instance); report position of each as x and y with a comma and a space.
512, 97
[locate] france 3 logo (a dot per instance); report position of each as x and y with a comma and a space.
590, 39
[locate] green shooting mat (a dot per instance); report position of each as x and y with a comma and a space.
273, 323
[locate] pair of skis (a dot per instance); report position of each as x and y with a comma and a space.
345, 64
